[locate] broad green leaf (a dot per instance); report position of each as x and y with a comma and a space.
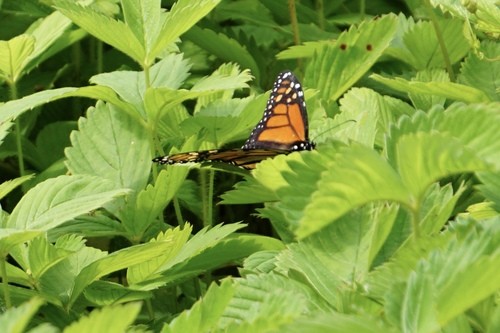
10, 237
356, 176
418, 312
143, 18
483, 14
60, 199
449, 90
437, 207
177, 238
46, 33
112, 32
151, 201
113, 145
420, 46
170, 72
4, 129
426, 101
205, 315
224, 48
111, 319
258, 297
489, 187
39, 256
58, 282
121, 259
338, 66
13, 56
217, 254
183, 15
160, 100
342, 253
305, 50
16, 320
109, 293
362, 106
480, 73
424, 158
9, 185
15, 108
336, 322
276, 311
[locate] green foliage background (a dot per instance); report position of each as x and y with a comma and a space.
391, 225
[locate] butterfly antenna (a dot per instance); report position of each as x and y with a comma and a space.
331, 128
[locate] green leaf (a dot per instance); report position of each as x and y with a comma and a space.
112, 32
109, 293
342, 253
363, 106
183, 15
15, 108
16, 320
58, 282
177, 238
449, 90
335, 322
338, 66
426, 101
420, 46
9, 185
424, 158
479, 72
124, 258
60, 199
489, 187
13, 56
113, 145
205, 315
46, 33
224, 48
11, 237
52, 140
151, 201
112, 319
358, 175
418, 312
170, 72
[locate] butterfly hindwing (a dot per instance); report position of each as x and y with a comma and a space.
282, 130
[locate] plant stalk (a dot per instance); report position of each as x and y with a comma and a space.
5, 283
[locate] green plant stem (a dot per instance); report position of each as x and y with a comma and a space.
19, 146
320, 10
362, 9
5, 282
149, 309
99, 57
178, 212
439, 35
295, 26
415, 221
207, 185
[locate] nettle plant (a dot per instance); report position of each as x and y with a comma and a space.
390, 225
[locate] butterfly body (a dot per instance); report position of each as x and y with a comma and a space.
283, 129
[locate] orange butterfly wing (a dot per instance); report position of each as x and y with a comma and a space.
282, 130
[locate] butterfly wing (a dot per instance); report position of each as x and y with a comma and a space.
284, 123
282, 130
238, 157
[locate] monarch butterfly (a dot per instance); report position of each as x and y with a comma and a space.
283, 129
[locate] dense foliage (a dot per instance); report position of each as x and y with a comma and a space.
391, 225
